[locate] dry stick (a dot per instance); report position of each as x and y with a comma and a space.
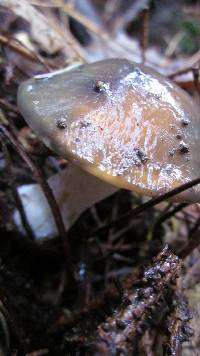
14, 328
191, 277
90, 25
195, 226
145, 32
191, 63
180, 72
149, 204
19, 48
166, 216
67, 38
177, 324
190, 247
121, 332
22, 213
129, 15
15, 194
47, 192
196, 77
5, 104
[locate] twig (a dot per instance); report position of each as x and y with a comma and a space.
149, 204
5, 104
69, 43
90, 25
173, 44
47, 192
145, 32
192, 244
195, 227
13, 188
168, 215
196, 77
16, 46
180, 72
178, 328
120, 333
14, 327
191, 63
129, 15
192, 275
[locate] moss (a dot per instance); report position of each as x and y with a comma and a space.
191, 39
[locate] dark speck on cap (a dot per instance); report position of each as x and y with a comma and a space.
84, 123
101, 86
185, 122
141, 155
62, 123
172, 152
183, 148
178, 135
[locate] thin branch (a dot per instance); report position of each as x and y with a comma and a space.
149, 204
15, 194
16, 46
190, 65
196, 76
8, 106
178, 328
46, 190
145, 32
121, 332
5, 308
165, 216
191, 245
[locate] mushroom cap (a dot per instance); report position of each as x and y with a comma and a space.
121, 121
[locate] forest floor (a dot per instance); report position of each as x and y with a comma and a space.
130, 288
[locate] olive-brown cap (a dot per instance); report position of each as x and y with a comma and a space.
119, 120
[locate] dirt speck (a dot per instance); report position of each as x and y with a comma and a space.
172, 152
141, 155
183, 148
179, 135
101, 86
184, 122
62, 123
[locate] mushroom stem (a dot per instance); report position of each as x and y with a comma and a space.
75, 191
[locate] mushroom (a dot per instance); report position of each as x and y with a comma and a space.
122, 122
